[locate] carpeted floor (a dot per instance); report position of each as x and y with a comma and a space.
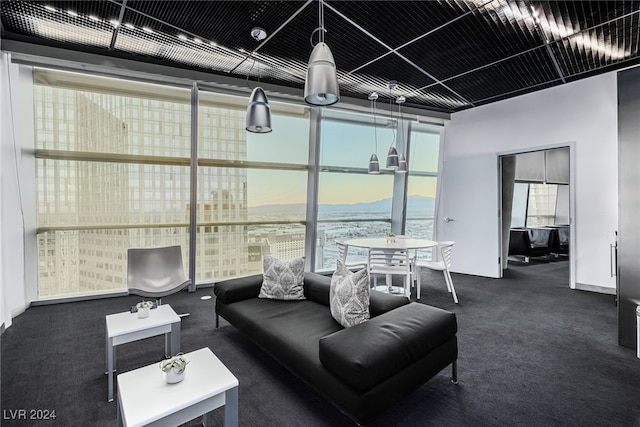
532, 352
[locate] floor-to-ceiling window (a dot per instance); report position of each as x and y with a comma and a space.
113, 170
112, 173
534, 204
541, 208
252, 187
422, 180
353, 203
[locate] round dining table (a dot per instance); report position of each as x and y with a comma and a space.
393, 243
397, 243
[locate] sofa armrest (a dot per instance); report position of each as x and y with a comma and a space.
242, 288
366, 354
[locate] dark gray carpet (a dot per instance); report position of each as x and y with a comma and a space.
532, 353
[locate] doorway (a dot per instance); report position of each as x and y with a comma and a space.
537, 208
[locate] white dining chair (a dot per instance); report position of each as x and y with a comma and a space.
444, 264
343, 254
389, 263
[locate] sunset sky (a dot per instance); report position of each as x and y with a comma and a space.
342, 144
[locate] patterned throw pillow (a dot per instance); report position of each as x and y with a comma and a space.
282, 279
349, 296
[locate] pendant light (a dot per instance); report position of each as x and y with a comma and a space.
321, 85
402, 161
392, 157
402, 164
258, 118
374, 164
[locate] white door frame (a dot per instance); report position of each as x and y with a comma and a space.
572, 198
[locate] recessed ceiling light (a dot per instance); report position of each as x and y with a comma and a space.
147, 30
197, 40
94, 18
72, 13
242, 50
115, 23
182, 37
51, 8
130, 26
214, 44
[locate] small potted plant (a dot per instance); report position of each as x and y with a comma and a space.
174, 367
391, 238
144, 308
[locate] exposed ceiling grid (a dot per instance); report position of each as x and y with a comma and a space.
446, 55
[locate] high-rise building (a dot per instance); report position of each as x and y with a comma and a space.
113, 174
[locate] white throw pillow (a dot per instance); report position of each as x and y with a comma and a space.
282, 279
349, 296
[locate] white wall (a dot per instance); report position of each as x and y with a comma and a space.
16, 111
4, 321
584, 112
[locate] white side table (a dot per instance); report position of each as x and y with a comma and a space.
126, 327
145, 398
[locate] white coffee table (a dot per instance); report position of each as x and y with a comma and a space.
127, 327
145, 398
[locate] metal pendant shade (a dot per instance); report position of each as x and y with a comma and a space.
392, 158
321, 85
258, 112
374, 165
402, 164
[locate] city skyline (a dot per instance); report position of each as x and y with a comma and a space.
134, 189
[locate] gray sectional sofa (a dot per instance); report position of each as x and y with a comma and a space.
364, 369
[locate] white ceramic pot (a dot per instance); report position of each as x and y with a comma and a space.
175, 376
143, 312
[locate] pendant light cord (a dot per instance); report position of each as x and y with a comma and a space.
320, 25
249, 72
400, 124
375, 126
321, 18
393, 129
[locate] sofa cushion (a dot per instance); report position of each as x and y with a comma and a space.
381, 302
368, 353
288, 330
316, 288
282, 280
349, 295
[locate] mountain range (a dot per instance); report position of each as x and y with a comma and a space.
415, 203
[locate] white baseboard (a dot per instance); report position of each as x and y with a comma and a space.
595, 288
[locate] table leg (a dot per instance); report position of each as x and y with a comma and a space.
110, 365
106, 346
208, 419
172, 340
231, 407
